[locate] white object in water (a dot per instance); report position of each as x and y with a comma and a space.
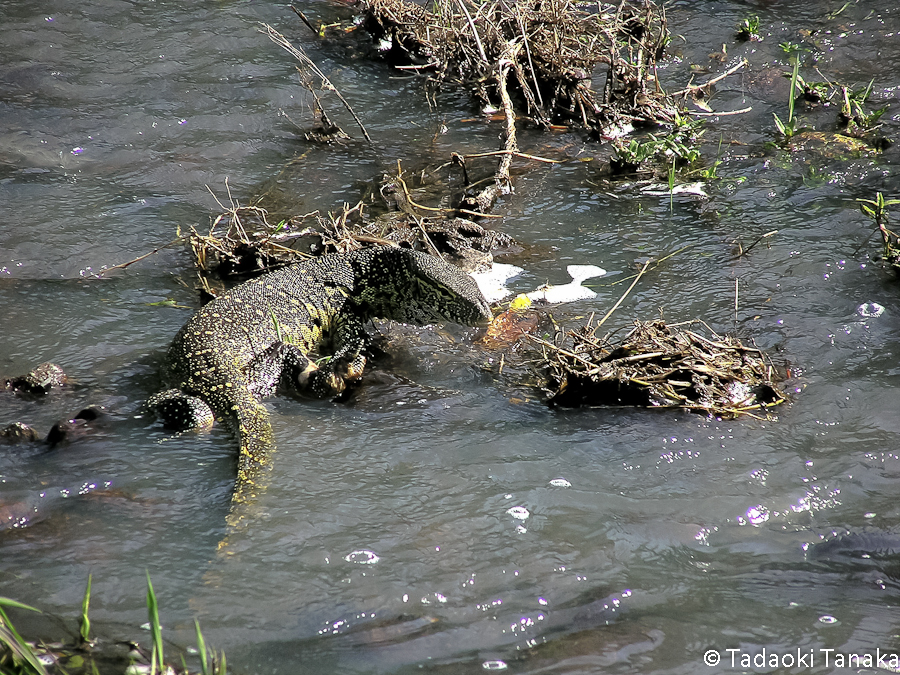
570, 292
493, 282
660, 190
870, 310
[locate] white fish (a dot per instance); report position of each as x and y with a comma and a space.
570, 292
493, 282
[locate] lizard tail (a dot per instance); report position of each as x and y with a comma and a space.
250, 423
254, 432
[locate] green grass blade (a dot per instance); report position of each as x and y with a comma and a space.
155, 629
6, 602
794, 74
201, 647
277, 326
84, 623
780, 125
20, 650
672, 184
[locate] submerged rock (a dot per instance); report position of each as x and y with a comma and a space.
38, 381
68, 430
18, 432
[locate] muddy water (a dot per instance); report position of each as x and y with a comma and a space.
387, 539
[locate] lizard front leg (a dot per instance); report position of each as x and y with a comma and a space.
348, 361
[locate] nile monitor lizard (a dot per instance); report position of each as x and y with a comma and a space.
240, 346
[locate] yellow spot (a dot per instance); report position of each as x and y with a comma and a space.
521, 301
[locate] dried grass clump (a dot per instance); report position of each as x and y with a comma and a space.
660, 365
458, 240
241, 242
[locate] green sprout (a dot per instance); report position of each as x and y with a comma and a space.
748, 30
853, 115
210, 663
876, 209
155, 628
790, 128
84, 623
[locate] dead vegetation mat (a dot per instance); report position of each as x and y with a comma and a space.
242, 243
552, 47
661, 365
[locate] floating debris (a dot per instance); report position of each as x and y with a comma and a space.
870, 310
362, 557
508, 327
660, 190
518, 512
660, 365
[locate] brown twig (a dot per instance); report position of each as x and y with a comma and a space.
718, 78
304, 19
624, 295
122, 266
515, 153
301, 56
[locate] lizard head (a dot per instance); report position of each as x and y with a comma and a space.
421, 288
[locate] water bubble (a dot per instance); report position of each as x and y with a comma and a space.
362, 557
518, 512
560, 482
333, 627
757, 514
494, 665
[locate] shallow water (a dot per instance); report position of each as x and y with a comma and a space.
385, 540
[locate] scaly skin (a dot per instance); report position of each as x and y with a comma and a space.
240, 346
